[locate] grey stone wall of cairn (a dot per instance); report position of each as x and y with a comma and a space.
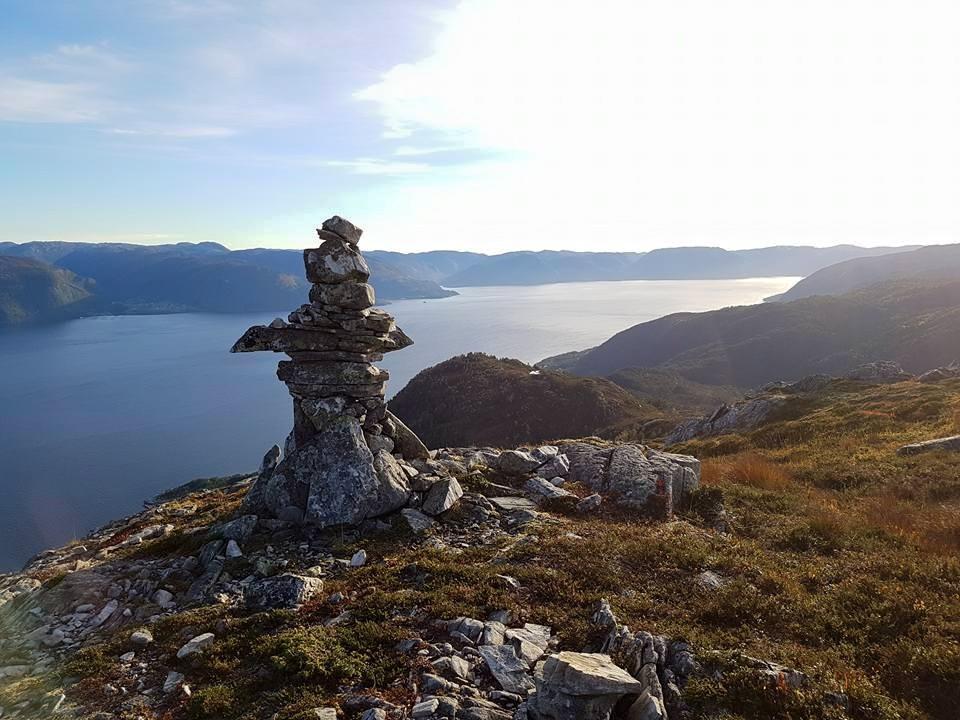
344, 460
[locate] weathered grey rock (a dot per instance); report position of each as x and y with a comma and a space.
513, 504
542, 489
452, 667
323, 713
281, 591
517, 462
141, 638
406, 441
635, 476
359, 559
590, 503
195, 646
331, 373
743, 415
556, 466
335, 261
342, 228
172, 681
946, 444
709, 580
442, 496
508, 669
494, 633
416, 520
353, 296
647, 707
940, 374
239, 529
882, 371
579, 686
335, 479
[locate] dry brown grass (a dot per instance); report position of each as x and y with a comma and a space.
748, 469
956, 415
935, 528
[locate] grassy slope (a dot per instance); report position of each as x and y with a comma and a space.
916, 324
842, 562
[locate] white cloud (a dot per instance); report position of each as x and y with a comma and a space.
186, 132
632, 125
36, 101
376, 166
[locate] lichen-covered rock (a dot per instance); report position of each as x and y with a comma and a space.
635, 476
338, 466
281, 591
335, 261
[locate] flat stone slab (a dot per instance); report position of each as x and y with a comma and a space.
949, 444
513, 504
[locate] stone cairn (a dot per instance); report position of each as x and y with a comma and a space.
344, 461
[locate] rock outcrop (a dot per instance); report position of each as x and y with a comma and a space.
343, 462
945, 444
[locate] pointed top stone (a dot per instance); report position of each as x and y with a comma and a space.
342, 228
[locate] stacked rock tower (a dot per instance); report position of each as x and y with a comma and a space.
343, 460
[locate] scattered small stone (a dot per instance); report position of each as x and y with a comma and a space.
172, 681
425, 709
141, 638
590, 503
195, 646
359, 559
281, 591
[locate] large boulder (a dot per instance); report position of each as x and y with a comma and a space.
635, 476
281, 591
579, 686
744, 415
946, 444
333, 479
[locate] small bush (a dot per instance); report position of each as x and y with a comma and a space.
211, 702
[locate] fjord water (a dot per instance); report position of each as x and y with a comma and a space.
99, 414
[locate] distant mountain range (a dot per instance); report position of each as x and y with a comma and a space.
914, 322
190, 277
207, 277
688, 263
936, 262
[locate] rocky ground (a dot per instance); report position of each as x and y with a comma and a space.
504, 588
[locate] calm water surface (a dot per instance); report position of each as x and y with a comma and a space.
98, 414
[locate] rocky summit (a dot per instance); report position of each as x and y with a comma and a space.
344, 460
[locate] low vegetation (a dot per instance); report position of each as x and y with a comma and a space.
841, 562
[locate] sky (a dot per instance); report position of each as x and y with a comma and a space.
486, 125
